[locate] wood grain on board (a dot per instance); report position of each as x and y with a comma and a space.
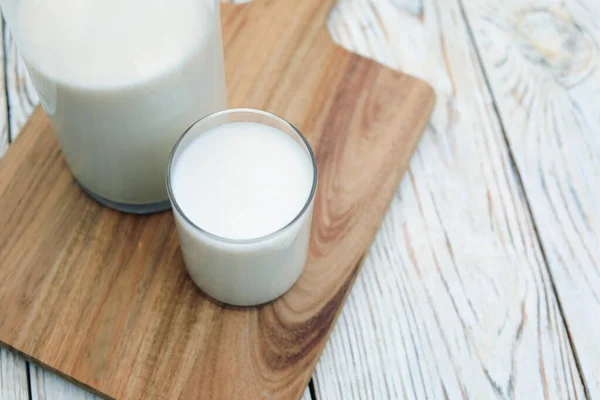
454, 300
23, 99
542, 59
103, 297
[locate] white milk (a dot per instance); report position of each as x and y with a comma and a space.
243, 181
121, 81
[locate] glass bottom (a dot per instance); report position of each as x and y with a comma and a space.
140, 209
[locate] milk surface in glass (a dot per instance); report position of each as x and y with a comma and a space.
244, 196
121, 80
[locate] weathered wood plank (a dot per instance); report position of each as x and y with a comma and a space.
455, 300
3, 142
4, 133
13, 377
48, 386
3, 136
543, 63
22, 97
306, 395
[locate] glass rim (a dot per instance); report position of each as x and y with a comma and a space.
262, 238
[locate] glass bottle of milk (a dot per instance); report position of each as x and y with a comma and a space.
121, 80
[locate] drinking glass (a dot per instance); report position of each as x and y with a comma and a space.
244, 272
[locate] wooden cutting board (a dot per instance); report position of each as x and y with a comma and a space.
103, 298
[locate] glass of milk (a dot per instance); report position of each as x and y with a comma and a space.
120, 80
242, 185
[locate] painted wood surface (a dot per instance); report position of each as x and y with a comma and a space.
4, 121
21, 97
13, 377
542, 60
48, 386
539, 59
455, 300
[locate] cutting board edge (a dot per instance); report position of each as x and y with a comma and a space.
49, 368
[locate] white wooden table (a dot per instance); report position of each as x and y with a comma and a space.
484, 280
